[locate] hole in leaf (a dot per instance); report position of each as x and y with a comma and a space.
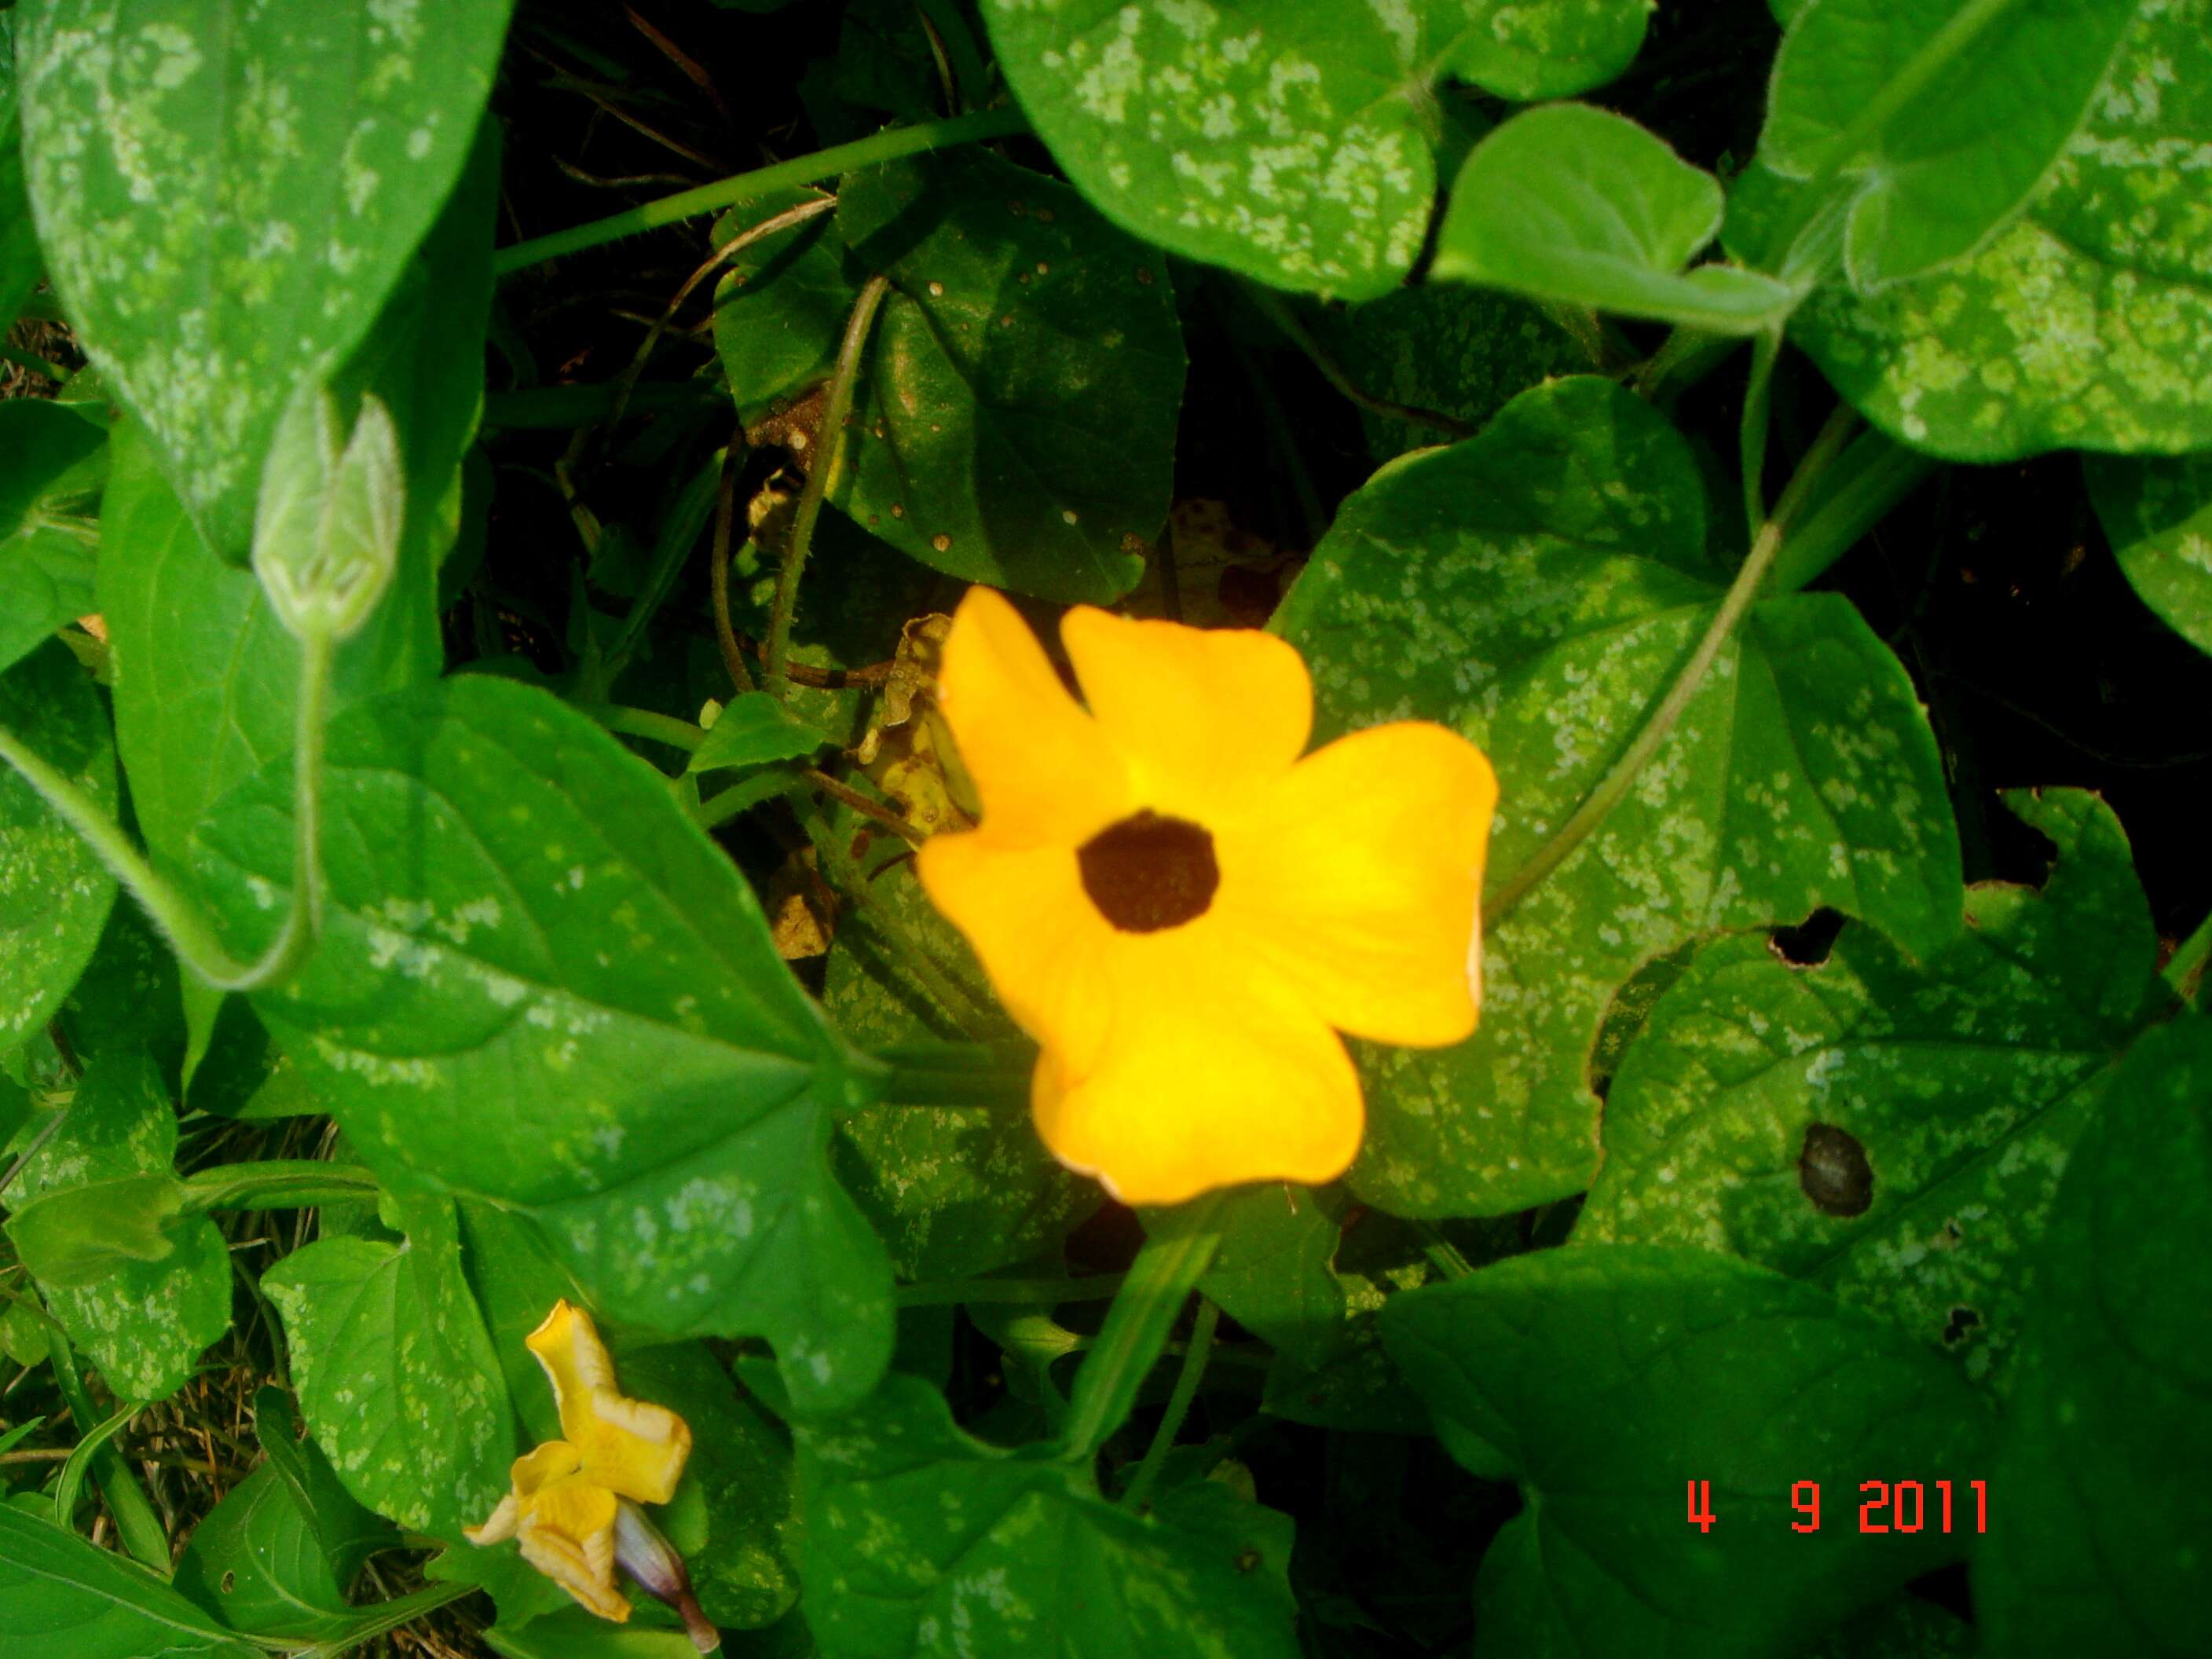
1833, 1170
1807, 944
1962, 1321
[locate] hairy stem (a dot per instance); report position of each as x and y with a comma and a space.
885, 146
1195, 1354
188, 932
1165, 1271
1613, 787
828, 448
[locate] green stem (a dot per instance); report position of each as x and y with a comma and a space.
382, 1617
644, 723
2185, 972
1166, 1271
1024, 1292
1195, 1354
33, 362
1441, 1251
136, 1522
1613, 787
743, 796
276, 1184
885, 146
828, 447
843, 873
188, 932
47, 1133
1867, 479
1758, 413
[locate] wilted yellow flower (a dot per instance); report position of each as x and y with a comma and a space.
567, 1493
1179, 908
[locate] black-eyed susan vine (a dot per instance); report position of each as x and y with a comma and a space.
1118, 829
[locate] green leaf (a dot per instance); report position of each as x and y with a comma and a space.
55, 894
20, 266
57, 460
753, 729
2110, 1438
1018, 421
1537, 587
2158, 516
77, 1236
1893, 1132
206, 675
1604, 1381
1536, 50
1290, 1270
540, 984
397, 1375
145, 1324
65, 1594
226, 193
275, 1556
1290, 142
1460, 352
953, 1191
2086, 324
1580, 205
781, 305
922, 1541
732, 1512
1938, 136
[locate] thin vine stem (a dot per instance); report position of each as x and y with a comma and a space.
2185, 972
645, 723
1009, 1293
810, 169
718, 572
828, 448
1135, 1333
1195, 1355
188, 932
1613, 787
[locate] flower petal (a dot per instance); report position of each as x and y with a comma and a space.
499, 1527
1201, 715
541, 1467
1045, 773
629, 1447
636, 1450
1173, 1069
1357, 877
1024, 911
568, 1532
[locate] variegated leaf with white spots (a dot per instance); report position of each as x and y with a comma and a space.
54, 893
2157, 514
1604, 1380
1962, 1084
144, 1324
922, 1541
1537, 587
2087, 323
541, 985
226, 190
1283, 138
396, 1371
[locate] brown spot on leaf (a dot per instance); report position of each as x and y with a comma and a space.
1833, 1170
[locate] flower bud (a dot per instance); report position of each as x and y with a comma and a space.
326, 531
652, 1562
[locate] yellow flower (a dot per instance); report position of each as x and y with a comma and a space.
1179, 908
567, 1493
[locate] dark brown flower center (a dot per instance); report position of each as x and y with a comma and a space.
1147, 871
